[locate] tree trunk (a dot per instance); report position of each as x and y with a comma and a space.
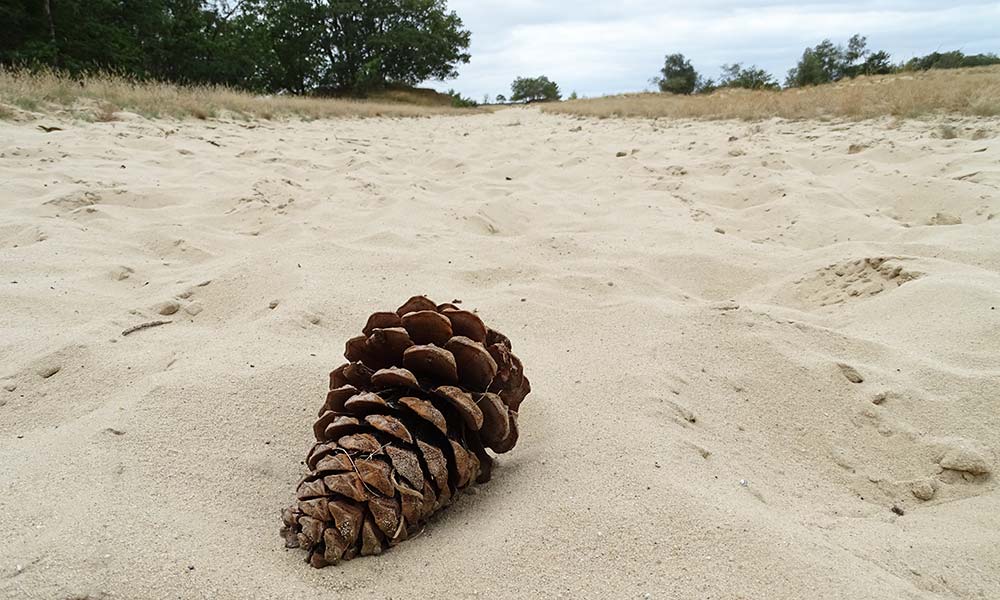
47, 5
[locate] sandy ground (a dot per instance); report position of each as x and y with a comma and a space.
749, 344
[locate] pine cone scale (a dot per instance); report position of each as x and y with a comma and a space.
427, 327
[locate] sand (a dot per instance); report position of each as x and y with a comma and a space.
765, 357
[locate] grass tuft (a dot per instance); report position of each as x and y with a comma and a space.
948, 132
958, 91
92, 97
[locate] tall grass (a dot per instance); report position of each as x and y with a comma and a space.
99, 97
959, 91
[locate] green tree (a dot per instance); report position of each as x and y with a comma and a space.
821, 64
878, 63
809, 71
705, 85
828, 62
23, 35
950, 60
980, 60
178, 40
287, 36
368, 44
677, 75
534, 89
751, 78
857, 49
300, 46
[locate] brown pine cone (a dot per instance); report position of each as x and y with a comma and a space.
404, 429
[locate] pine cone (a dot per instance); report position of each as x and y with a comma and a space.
404, 429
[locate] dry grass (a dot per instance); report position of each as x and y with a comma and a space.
23, 94
414, 96
960, 91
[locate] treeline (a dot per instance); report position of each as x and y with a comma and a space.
296, 46
341, 47
824, 63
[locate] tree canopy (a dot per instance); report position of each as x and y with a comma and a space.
955, 59
828, 62
337, 46
677, 75
534, 89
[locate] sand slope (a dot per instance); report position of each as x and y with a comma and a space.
691, 314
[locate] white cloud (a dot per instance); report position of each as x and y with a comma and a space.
608, 47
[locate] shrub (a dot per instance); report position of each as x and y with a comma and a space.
534, 89
677, 75
457, 101
751, 78
705, 85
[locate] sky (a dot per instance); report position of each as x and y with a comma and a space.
606, 47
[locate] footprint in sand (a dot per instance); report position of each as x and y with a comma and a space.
852, 280
75, 200
17, 236
917, 467
944, 219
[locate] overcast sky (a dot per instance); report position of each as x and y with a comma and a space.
610, 46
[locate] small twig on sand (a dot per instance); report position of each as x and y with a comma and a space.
142, 326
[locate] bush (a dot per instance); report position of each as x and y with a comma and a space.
677, 75
534, 89
705, 86
751, 78
457, 101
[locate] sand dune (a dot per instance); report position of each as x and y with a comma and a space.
765, 357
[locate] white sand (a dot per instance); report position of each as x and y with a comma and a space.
669, 361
